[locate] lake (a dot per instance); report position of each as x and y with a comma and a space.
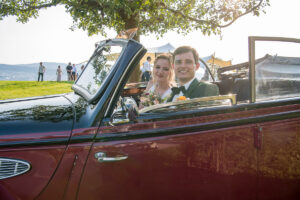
29, 72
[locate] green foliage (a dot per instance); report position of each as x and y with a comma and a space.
21, 89
150, 16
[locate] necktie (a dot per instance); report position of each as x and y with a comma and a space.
177, 90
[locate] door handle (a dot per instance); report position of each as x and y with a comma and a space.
101, 157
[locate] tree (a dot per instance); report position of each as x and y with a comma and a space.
149, 16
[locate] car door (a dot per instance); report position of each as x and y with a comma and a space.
184, 155
277, 83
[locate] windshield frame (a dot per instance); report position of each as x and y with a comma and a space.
209, 71
83, 91
252, 64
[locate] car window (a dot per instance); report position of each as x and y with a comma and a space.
101, 64
277, 75
98, 68
204, 72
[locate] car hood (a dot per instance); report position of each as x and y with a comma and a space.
38, 119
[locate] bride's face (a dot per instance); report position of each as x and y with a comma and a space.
161, 70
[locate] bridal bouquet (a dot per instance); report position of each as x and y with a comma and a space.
149, 99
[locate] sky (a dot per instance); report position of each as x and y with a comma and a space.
49, 38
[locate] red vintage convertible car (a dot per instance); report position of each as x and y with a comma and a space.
95, 144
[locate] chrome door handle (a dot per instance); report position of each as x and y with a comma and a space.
101, 157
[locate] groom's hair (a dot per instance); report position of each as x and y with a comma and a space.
185, 49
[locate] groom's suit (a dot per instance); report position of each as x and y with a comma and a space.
199, 89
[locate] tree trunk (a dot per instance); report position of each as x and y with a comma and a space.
132, 22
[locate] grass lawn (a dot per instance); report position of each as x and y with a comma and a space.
20, 89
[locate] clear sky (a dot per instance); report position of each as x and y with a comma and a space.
49, 39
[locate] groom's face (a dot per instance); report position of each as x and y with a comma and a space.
185, 67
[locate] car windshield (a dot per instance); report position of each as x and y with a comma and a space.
203, 73
99, 67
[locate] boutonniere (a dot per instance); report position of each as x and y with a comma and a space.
181, 98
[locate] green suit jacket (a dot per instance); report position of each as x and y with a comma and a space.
199, 89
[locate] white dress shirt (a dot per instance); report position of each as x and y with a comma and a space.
187, 85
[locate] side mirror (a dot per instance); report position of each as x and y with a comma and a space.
131, 108
127, 113
132, 112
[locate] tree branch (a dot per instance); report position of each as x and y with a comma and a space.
47, 5
212, 22
245, 13
183, 15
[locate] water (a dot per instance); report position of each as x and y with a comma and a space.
29, 72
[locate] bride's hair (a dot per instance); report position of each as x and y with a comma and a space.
171, 78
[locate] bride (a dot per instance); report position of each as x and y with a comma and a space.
163, 81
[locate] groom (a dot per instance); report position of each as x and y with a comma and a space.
185, 64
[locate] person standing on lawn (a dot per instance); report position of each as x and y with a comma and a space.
58, 73
41, 71
69, 71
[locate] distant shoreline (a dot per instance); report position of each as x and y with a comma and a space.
29, 72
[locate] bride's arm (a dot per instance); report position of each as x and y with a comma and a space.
149, 85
